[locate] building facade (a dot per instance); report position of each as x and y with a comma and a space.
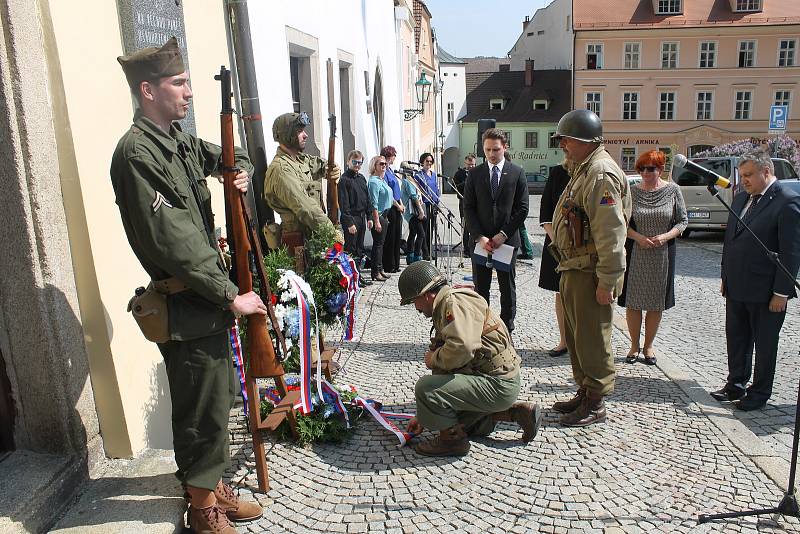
427, 64
452, 106
685, 75
546, 38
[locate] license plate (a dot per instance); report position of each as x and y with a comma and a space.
699, 215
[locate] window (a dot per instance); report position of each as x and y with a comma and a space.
553, 142
631, 60
708, 55
540, 104
628, 158
748, 5
747, 54
782, 97
744, 105
540, 32
786, 49
594, 56
593, 102
669, 55
451, 113
531, 139
496, 103
630, 106
666, 106
705, 101
508, 137
669, 7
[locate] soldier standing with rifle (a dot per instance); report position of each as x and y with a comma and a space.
589, 226
159, 178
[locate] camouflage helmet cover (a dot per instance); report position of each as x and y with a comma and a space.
581, 124
417, 279
286, 127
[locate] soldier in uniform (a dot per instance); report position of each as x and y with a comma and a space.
292, 185
589, 227
475, 380
159, 178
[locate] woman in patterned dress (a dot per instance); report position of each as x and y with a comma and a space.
657, 218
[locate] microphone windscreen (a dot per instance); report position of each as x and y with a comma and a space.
679, 160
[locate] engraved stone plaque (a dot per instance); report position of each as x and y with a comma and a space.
151, 23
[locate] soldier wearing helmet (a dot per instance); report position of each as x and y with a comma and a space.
589, 229
475, 380
292, 184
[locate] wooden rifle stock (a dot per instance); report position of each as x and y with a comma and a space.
246, 248
333, 189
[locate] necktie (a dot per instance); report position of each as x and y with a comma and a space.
495, 180
749, 213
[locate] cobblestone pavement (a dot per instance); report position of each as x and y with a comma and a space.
658, 461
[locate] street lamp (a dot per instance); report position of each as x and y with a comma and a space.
422, 88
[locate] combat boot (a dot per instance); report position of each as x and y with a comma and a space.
572, 404
211, 520
234, 508
450, 442
591, 410
526, 414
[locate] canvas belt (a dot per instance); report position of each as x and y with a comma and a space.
579, 251
169, 286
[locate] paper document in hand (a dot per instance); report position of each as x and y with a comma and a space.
500, 260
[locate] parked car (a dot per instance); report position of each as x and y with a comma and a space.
706, 212
634, 179
536, 182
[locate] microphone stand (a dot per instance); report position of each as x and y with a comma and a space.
788, 505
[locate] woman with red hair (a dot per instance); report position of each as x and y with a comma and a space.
657, 218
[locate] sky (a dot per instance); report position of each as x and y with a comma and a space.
469, 28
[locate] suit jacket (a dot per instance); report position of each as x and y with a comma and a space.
486, 216
748, 275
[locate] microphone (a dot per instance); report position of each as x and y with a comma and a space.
710, 176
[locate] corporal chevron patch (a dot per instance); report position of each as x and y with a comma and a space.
159, 201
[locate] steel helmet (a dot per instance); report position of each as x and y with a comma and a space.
580, 124
417, 279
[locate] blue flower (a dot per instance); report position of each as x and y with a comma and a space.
292, 322
335, 303
328, 411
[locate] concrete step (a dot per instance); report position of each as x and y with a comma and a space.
129, 497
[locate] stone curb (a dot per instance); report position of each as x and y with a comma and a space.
775, 467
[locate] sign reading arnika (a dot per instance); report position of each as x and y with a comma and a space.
151, 23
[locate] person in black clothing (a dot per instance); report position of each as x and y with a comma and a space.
355, 207
459, 180
549, 278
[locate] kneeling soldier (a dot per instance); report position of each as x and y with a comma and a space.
475, 380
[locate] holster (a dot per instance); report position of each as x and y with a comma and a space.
149, 308
577, 222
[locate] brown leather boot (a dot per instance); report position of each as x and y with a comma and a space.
234, 508
528, 416
591, 410
572, 404
450, 442
211, 520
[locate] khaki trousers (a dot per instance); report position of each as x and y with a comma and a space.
449, 399
587, 330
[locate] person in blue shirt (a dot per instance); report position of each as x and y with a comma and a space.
414, 215
428, 185
391, 246
380, 195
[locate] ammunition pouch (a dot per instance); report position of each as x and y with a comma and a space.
149, 308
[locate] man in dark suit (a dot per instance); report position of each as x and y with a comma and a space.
495, 205
756, 291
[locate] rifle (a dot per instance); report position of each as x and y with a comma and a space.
333, 193
246, 249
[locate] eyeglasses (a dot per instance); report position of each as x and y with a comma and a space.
381, 164
356, 162
649, 168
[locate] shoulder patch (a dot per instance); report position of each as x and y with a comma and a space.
608, 199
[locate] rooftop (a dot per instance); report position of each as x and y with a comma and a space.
446, 57
485, 64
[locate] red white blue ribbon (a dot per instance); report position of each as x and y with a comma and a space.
307, 340
347, 266
238, 359
403, 436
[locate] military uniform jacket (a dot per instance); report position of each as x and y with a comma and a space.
292, 188
471, 338
160, 185
600, 188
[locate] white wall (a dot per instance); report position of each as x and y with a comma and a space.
454, 90
361, 28
551, 49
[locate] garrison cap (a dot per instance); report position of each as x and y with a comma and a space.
150, 64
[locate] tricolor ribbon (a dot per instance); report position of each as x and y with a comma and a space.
383, 421
307, 340
238, 359
346, 266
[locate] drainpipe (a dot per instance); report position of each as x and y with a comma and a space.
244, 75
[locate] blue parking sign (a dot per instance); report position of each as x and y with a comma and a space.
777, 118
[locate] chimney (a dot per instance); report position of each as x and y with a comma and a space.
525, 22
528, 72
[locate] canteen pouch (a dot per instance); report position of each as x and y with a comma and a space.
149, 309
272, 233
